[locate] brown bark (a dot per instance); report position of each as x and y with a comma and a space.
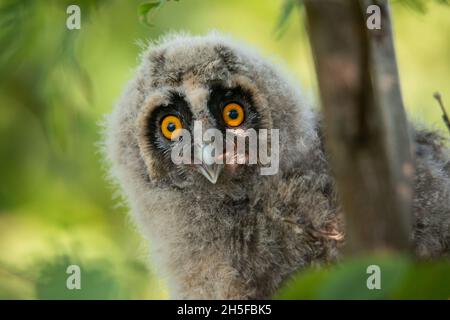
365, 124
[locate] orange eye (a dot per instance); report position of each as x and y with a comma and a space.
233, 114
169, 127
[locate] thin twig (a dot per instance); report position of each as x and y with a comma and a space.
437, 96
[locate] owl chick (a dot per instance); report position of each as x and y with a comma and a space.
228, 232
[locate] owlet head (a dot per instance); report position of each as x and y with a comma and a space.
197, 111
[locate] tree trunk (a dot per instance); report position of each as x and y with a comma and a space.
365, 125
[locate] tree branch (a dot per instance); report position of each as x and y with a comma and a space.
365, 124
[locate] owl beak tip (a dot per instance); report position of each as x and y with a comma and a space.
210, 172
207, 164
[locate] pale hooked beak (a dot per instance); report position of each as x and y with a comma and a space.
207, 166
211, 172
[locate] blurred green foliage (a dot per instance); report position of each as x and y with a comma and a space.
56, 207
401, 278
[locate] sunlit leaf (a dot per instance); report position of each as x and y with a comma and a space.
145, 9
286, 11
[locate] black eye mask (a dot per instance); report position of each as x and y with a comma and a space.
178, 107
221, 96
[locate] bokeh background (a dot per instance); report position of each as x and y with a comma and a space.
56, 207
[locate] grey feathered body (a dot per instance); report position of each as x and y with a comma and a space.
243, 236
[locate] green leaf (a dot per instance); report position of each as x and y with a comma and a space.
305, 285
349, 280
401, 278
144, 10
425, 280
286, 11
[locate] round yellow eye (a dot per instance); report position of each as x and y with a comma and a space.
233, 114
169, 125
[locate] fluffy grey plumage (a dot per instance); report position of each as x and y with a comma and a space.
243, 236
